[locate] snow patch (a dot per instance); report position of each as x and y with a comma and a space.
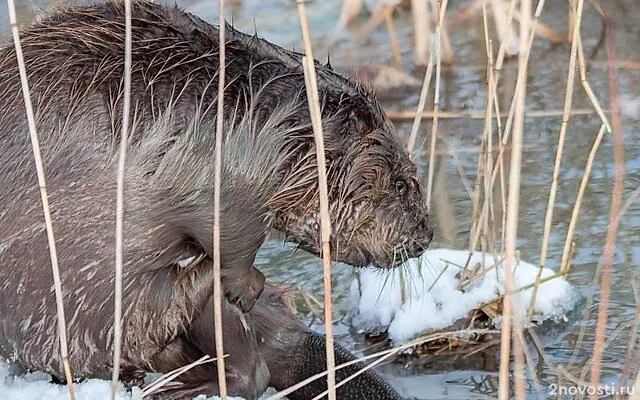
429, 293
37, 386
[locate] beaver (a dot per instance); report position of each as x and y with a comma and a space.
74, 63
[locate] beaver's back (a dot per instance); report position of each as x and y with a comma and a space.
74, 62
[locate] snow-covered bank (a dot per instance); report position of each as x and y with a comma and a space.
37, 386
431, 293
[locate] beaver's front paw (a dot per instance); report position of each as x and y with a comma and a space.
244, 290
132, 377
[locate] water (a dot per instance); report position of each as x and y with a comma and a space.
451, 376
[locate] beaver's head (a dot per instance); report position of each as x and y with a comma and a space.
378, 216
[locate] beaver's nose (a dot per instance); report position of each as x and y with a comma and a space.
425, 229
423, 234
429, 235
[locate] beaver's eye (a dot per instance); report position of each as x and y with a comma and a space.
401, 187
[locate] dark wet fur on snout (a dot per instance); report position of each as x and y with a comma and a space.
74, 62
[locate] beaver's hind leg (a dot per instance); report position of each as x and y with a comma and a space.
293, 353
269, 334
247, 375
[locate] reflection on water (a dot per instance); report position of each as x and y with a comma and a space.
464, 89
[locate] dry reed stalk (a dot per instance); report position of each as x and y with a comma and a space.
504, 26
442, 203
568, 243
492, 84
568, 101
633, 332
447, 48
498, 68
621, 64
475, 198
376, 18
360, 372
456, 161
487, 134
497, 169
445, 41
418, 114
558, 370
476, 231
480, 348
511, 233
531, 368
356, 374
393, 38
519, 347
42, 184
478, 217
611, 337
436, 97
217, 172
170, 376
571, 19
564, 263
311, 86
410, 114
541, 30
518, 290
465, 12
500, 59
491, 100
500, 169
585, 318
450, 150
616, 200
625, 207
124, 136
281, 394
519, 361
636, 389
587, 87
421, 31
503, 135
349, 10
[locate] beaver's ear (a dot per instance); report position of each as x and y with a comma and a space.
328, 64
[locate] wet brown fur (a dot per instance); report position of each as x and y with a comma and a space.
74, 61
